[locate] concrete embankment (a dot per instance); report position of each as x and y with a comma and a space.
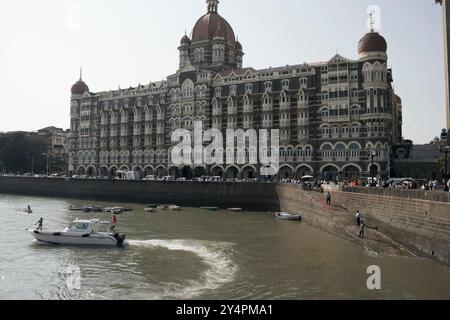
413, 218
314, 210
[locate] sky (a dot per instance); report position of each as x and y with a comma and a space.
127, 42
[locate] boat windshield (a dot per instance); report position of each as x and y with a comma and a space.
79, 226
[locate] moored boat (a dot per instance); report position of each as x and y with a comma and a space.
149, 210
235, 209
174, 208
288, 216
115, 210
81, 232
210, 208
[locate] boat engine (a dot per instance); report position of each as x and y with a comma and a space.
120, 239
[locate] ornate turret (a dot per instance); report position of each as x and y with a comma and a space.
80, 87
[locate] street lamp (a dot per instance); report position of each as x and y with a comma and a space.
372, 156
46, 154
444, 148
32, 164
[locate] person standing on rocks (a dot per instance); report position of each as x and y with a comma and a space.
358, 218
362, 229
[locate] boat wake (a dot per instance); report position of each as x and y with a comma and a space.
216, 256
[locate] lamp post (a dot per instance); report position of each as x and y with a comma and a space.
372, 156
47, 154
444, 148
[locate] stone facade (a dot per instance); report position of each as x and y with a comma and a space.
331, 115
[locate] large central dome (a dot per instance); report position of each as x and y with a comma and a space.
208, 26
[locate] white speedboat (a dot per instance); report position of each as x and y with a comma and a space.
175, 208
288, 216
81, 232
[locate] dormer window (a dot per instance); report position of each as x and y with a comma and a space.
233, 90
303, 83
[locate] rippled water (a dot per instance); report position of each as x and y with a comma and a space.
195, 254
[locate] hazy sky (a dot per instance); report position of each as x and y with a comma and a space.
126, 42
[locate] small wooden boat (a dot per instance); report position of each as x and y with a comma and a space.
174, 208
92, 209
149, 209
73, 208
288, 216
115, 210
210, 208
29, 211
235, 209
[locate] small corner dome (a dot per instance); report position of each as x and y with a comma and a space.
185, 40
79, 88
372, 42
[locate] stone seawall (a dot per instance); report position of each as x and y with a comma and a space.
249, 196
423, 226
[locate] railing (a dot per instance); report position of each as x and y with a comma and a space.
437, 196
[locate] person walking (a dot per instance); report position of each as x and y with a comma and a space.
328, 198
358, 218
362, 229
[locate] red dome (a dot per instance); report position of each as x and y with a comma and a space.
208, 26
372, 42
185, 40
79, 88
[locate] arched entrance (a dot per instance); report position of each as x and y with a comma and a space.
187, 173
91, 171
249, 173
285, 172
199, 172
112, 171
217, 171
351, 172
148, 171
160, 172
330, 173
232, 173
104, 171
174, 172
303, 171
81, 171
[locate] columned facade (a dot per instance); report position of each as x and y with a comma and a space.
332, 115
